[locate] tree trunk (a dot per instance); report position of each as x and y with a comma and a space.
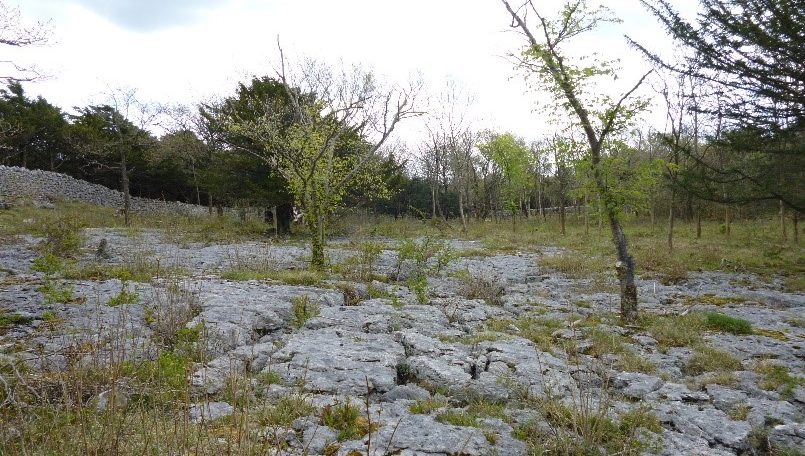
124, 182
562, 216
586, 217
783, 232
433, 201
600, 216
461, 212
514, 220
796, 227
539, 201
625, 264
671, 216
195, 183
283, 218
698, 223
727, 228
209, 203
625, 270
317, 260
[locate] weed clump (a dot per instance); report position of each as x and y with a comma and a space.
302, 310
708, 359
426, 406
345, 418
480, 287
674, 330
48, 264
57, 293
124, 297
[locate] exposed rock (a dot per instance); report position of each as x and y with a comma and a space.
788, 436
42, 185
408, 392
209, 411
635, 384
707, 422
340, 361
725, 399
763, 412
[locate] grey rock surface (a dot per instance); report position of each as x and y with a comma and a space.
209, 411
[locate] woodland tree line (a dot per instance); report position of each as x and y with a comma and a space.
321, 139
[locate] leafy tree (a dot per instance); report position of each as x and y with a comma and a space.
185, 150
752, 54
242, 167
34, 132
331, 114
110, 140
545, 58
511, 157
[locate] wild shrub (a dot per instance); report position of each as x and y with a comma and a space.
481, 287
302, 310
418, 253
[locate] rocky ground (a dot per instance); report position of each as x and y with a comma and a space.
493, 329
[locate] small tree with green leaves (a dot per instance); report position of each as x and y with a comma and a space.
511, 157
340, 122
569, 82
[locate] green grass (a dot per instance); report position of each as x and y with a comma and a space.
457, 418
728, 324
579, 431
754, 245
284, 410
56, 292
8, 319
48, 263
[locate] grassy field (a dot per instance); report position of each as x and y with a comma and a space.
753, 246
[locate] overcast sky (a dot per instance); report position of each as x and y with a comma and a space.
183, 51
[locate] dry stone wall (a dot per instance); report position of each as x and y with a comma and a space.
37, 185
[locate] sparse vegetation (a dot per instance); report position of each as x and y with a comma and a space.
302, 310
778, 378
56, 292
674, 330
708, 359
124, 297
429, 405
514, 247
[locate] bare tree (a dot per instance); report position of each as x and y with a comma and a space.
449, 152
14, 33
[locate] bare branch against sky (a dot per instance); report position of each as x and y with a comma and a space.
182, 51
